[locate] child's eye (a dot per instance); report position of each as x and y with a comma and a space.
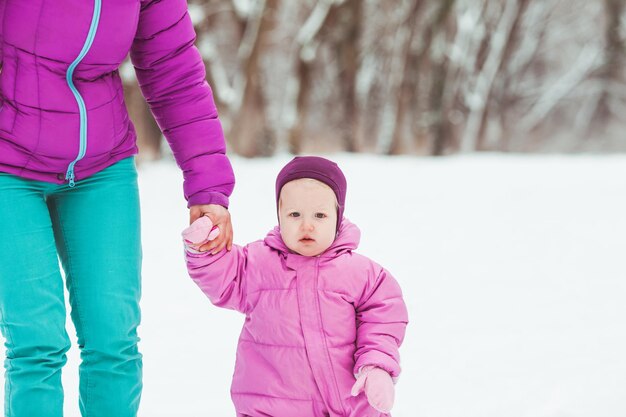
294, 214
320, 215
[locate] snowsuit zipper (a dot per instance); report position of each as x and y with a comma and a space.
311, 322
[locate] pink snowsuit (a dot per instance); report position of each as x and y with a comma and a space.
311, 324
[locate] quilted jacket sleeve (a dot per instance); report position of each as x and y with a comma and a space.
381, 322
222, 277
171, 75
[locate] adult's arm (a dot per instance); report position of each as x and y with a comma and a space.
171, 76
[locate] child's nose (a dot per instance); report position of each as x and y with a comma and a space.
307, 225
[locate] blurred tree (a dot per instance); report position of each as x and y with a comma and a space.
248, 132
410, 76
611, 73
307, 41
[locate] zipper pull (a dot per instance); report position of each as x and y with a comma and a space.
70, 176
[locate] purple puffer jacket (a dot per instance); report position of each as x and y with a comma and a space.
311, 323
62, 111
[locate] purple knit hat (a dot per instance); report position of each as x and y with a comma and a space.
319, 169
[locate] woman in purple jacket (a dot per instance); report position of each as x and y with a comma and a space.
68, 187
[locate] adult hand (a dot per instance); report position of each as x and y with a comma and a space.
220, 217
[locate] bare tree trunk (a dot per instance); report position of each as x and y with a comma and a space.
611, 71
440, 128
347, 51
441, 132
485, 78
465, 56
408, 84
305, 52
395, 75
509, 48
533, 26
250, 132
304, 86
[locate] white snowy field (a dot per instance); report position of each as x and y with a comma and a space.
513, 269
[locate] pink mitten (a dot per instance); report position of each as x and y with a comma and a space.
200, 232
378, 387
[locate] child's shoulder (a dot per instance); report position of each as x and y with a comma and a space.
358, 257
261, 250
361, 263
257, 246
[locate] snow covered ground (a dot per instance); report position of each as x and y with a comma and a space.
513, 269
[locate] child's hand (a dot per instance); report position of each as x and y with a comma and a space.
220, 217
200, 232
378, 387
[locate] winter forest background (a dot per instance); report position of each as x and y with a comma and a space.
508, 245
425, 77
511, 265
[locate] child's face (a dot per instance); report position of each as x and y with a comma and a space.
307, 211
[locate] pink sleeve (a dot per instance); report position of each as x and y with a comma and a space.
381, 323
222, 277
172, 78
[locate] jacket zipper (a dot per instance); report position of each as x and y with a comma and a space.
333, 379
69, 175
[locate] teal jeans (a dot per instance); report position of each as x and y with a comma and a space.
94, 230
